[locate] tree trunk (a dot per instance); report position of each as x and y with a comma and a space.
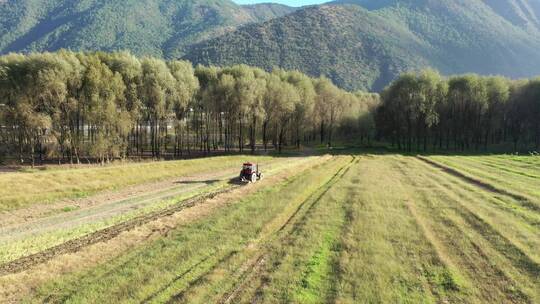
264, 135
253, 130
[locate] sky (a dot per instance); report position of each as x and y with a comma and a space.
286, 2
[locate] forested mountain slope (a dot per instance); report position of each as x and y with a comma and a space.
523, 13
146, 27
366, 43
359, 44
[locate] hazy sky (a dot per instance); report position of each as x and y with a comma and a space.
287, 2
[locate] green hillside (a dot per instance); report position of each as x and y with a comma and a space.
359, 44
146, 27
523, 13
366, 43
346, 43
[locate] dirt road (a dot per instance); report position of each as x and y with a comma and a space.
34, 235
21, 276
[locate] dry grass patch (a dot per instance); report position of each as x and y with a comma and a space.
17, 286
22, 189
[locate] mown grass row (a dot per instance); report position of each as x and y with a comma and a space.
297, 266
41, 240
391, 229
164, 269
494, 250
498, 171
386, 255
411, 233
505, 214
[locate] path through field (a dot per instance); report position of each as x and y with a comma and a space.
129, 208
128, 201
346, 229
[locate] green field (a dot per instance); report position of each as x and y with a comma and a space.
358, 228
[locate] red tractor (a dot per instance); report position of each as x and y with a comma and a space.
250, 173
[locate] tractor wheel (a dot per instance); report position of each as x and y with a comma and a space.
253, 177
260, 176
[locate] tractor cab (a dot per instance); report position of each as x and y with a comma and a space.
250, 173
249, 167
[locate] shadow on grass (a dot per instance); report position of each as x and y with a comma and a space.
191, 182
237, 181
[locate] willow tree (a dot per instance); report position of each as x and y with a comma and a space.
185, 87
225, 90
432, 90
303, 109
246, 101
68, 123
533, 106
130, 68
51, 94
328, 106
279, 102
400, 105
467, 96
524, 113
498, 93
369, 102
26, 87
107, 117
255, 104
158, 85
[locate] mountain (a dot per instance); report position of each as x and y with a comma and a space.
364, 44
345, 43
522, 13
267, 11
146, 27
359, 44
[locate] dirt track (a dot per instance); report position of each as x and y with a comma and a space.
41, 219
101, 235
115, 205
111, 232
35, 212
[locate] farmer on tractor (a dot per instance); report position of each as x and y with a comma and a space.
250, 173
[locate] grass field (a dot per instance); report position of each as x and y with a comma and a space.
361, 228
21, 189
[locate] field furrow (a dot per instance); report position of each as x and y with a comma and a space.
348, 228
387, 254
219, 234
482, 251
520, 186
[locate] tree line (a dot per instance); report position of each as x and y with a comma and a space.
73, 106
424, 110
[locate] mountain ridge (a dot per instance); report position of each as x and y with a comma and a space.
454, 36
146, 27
359, 44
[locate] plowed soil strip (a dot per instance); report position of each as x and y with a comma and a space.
485, 186
103, 235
